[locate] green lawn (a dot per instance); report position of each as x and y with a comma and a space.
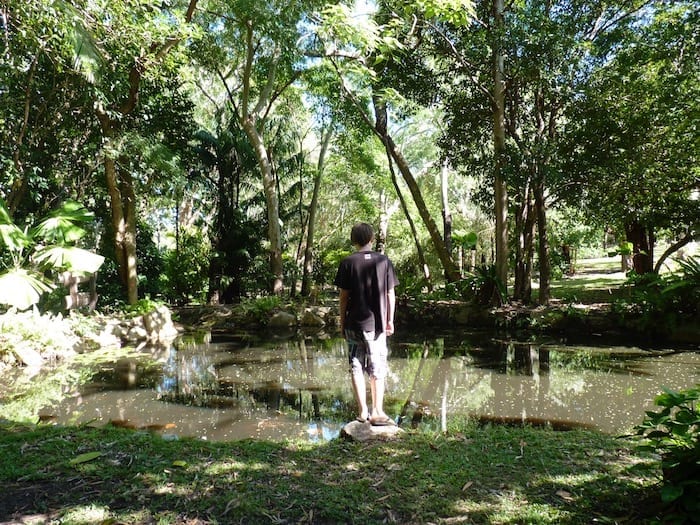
491, 474
595, 281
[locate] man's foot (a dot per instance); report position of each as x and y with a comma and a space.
363, 417
382, 421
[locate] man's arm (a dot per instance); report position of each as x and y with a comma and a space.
344, 296
390, 306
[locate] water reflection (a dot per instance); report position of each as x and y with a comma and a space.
236, 388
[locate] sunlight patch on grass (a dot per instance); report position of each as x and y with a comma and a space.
507, 509
574, 480
233, 467
169, 489
87, 514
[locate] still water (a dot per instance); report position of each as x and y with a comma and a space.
237, 386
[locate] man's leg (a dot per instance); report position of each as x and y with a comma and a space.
377, 388
378, 372
360, 391
357, 350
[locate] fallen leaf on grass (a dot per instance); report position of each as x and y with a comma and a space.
84, 458
566, 496
467, 485
179, 463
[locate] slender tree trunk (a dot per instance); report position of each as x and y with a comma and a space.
689, 237
543, 245
386, 211
120, 186
274, 233
20, 185
313, 207
525, 235
446, 213
451, 271
499, 146
122, 202
411, 223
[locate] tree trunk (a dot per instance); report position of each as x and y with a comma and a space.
419, 249
524, 226
451, 272
446, 214
543, 245
313, 207
499, 146
642, 240
122, 201
120, 184
274, 233
385, 213
690, 236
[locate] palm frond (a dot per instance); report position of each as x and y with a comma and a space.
22, 289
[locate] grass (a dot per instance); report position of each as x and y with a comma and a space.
595, 281
473, 474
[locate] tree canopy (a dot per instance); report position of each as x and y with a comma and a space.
255, 134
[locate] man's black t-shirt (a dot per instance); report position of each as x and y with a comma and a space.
367, 276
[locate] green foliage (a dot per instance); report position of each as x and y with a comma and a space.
29, 253
150, 260
466, 240
186, 268
325, 272
258, 309
484, 286
41, 333
141, 307
624, 248
661, 302
674, 433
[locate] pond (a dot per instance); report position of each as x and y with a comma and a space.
236, 386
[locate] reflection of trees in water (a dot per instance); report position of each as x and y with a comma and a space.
435, 385
282, 379
431, 379
188, 377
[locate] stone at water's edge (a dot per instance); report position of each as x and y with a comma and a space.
357, 431
30, 357
282, 320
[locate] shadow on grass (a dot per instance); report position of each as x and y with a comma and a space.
482, 475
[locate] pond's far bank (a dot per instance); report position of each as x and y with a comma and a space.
557, 318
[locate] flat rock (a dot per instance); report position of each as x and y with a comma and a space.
357, 431
29, 356
282, 320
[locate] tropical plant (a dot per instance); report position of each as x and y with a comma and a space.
674, 434
29, 256
186, 268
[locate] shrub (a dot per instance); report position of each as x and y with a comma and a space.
659, 303
258, 309
674, 434
187, 268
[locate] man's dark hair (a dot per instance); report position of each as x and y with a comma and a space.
361, 234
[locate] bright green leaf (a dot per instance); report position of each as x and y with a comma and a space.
84, 458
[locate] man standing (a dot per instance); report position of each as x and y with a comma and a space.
366, 280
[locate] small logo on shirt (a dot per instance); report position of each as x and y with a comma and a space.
368, 256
